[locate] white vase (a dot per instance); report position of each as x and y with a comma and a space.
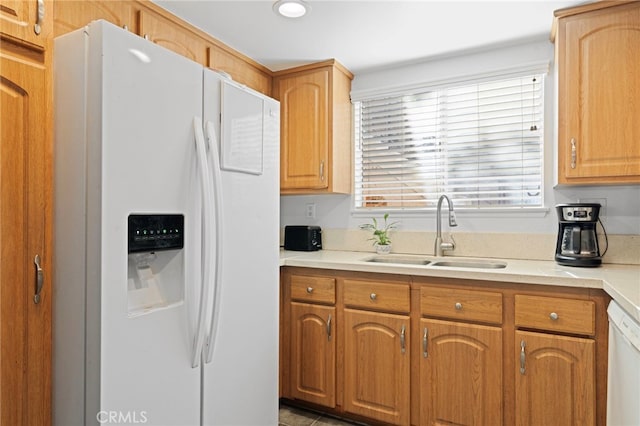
383, 249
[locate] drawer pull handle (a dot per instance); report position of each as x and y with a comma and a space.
553, 316
309, 290
373, 296
458, 306
329, 328
39, 279
523, 345
425, 342
402, 339
37, 28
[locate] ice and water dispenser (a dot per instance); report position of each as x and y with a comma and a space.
155, 272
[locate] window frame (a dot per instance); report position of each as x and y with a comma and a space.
541, 69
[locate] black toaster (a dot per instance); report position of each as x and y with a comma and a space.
302, 238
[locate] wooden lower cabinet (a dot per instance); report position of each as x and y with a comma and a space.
441, 351
460, 374
313, 353
555, 380
377, 366
25, 190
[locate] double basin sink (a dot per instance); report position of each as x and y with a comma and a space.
437, 262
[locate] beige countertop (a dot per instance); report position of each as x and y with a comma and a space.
621, 282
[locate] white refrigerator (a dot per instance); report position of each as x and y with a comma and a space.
166, 238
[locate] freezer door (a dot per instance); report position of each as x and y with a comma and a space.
243, 362
141, 307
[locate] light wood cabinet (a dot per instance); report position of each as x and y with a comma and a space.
310, 342
258, 78
555, 380
28, 22
166, 33
146, 19
435, 351
313, 353
460, 374
598, 90
377, 365
25, 221
69, 15
315, 144
461, 364
555, 374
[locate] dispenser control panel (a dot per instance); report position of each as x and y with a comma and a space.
154, 232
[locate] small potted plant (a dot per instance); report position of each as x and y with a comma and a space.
380, 235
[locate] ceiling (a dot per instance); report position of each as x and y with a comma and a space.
366, 35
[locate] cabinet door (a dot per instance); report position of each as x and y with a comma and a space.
377, 366
166, 33
28, 21
240, 70
599, 88
304, 100
70, 15
313, 353
460, 374
25, 333
555, 380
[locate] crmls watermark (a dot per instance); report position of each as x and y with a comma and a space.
121, 417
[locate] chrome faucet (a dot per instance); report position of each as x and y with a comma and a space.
441, 247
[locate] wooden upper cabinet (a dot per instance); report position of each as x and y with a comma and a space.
241, 71
71, 15
598, 92
315, 136
167, 33
26, 21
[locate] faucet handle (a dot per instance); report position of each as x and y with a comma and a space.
452, 218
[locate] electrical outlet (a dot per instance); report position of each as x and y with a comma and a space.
310, 211
601, 201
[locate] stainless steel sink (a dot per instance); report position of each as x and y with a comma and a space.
477, 264
404, 260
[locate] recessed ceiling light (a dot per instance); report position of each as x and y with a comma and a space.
291, 8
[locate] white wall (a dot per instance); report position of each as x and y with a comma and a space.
621, 204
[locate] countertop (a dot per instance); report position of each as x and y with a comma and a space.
621, 282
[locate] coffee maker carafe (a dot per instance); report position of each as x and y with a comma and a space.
577, 243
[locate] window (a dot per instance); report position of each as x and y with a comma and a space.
481, 144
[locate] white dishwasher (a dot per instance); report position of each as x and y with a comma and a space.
623, 386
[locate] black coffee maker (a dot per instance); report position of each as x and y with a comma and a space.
577, 239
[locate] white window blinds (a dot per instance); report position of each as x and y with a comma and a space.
481, 144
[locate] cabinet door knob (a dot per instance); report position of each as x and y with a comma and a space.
553, 316
309, 290
458, 306
373, 296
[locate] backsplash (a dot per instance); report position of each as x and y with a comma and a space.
623, 249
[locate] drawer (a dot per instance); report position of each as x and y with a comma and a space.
461, 304
377, 295
556, 314
313, 289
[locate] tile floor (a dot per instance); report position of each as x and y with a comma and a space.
293, 416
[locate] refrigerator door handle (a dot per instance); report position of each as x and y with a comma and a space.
216, 179
204, 172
